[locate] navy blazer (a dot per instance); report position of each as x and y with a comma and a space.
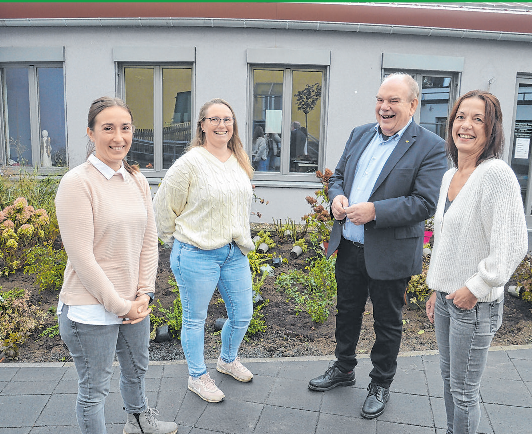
405, 195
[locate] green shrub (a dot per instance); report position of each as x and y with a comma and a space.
314, 291
257, 323
21, 228
171, 316
18, 319
523, 277
319, 222
48, 266
39, 191
417, 290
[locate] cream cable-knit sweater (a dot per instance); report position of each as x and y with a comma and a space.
108, 230
482, 237
204, 202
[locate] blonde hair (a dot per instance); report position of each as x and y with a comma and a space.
234, 144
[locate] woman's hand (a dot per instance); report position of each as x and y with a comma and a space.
463, 298
429, 307
139, 310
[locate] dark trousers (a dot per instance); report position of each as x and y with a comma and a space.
354, 285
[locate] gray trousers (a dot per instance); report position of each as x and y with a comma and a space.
464, 337
93, 349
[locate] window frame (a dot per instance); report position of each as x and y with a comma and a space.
284, 174
157, 171
34, 113
521, 79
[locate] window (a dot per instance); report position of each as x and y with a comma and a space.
33, 115
287, 123
522, 135
160, 99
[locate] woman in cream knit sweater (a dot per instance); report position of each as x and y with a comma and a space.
480, 236
203, 208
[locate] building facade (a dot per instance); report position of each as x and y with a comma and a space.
306, 74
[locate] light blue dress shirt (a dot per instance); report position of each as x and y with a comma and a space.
368, 169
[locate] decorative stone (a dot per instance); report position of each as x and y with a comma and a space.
263, 248
219, 323
257, 298
267, 269
162, 334
296, 252
516, 291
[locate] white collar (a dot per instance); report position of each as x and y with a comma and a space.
104, 169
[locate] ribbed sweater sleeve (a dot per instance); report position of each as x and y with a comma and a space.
204, 202
482, 237
502, 218
108, 231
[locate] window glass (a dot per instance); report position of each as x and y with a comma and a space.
139, 97
18, 117
435, 95
52, 117
522, 137
177, 92
267, 119
305, 121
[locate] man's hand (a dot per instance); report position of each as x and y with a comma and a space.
338, 206
463, 298
361, 213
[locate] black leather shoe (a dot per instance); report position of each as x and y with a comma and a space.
333, 377
375, 402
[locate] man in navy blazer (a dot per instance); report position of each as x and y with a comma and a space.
385, 186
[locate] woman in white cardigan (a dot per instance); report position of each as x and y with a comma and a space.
480, 236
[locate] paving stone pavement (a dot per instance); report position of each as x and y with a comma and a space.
40, 398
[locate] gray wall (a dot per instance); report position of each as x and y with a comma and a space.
221, 71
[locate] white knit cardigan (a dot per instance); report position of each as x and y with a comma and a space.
482, 237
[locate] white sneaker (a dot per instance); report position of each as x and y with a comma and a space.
147, 423
205, 388
235, 369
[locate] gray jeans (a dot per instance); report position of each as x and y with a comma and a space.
93, 349
464, 337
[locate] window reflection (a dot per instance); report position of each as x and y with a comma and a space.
267, 120
52, 150
18, 117
176, 113
522, 137
306, 121
435, 95
139, 98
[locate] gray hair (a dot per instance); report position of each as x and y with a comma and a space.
409, 81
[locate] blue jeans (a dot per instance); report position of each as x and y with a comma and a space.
464, 337
198, 273
93, 349
262, 165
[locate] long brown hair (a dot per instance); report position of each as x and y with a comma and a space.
234, 144
492, 123
99, 105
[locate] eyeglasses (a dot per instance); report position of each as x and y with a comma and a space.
215, 121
